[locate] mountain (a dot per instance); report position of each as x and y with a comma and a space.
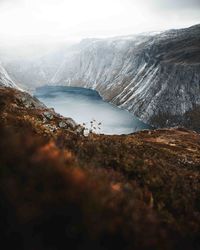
156, 77
5, 79
34, 71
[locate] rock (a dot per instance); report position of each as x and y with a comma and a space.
71, 122
63, 124
44, 120
51, 128
80, 130
28, 103
52, 109
48, 115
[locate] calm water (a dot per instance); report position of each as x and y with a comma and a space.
85, 105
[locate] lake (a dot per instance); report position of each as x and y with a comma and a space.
86, 106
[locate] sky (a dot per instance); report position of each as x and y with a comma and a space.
51, 21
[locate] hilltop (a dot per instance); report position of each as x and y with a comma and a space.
59, 188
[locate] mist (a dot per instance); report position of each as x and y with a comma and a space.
42, 25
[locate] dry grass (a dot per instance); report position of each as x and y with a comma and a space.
60, 189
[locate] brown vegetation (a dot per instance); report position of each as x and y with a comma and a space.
61, 190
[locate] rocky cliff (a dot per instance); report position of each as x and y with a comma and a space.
154, 76
5, 79
157, 77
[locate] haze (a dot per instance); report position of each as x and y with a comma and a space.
55, 21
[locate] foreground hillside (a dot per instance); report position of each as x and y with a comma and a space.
60, 189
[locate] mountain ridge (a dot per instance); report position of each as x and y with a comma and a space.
156, 77
147, 76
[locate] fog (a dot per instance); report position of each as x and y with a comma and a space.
43, 24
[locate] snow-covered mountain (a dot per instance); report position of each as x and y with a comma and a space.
5, 79
156, 77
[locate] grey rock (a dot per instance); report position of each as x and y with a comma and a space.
29, 101
71, 122
48, 115
80, 130
63, 124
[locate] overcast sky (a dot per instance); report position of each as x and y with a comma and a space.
58, 20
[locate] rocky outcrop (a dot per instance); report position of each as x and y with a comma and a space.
17, 106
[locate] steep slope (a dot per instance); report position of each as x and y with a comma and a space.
157, 77
60, 189
5, 79
20, 107
154, 76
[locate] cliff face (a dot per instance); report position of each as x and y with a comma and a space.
60, 189
157, 77
5, 79
154, 76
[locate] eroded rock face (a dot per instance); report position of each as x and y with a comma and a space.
5, 79
152, 76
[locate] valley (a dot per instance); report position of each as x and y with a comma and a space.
125, 185
155, 76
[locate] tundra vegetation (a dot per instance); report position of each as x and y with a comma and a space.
60, 189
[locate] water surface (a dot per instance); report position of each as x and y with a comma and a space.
86, 106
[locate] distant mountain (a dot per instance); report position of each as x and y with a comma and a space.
156, 76
5, 79
34, 71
